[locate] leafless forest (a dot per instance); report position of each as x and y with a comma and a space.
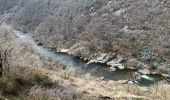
136, 31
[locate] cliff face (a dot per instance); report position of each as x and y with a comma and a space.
131, 28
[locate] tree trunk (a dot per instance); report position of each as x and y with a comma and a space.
1, 67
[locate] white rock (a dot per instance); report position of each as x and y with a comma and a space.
119, 12
112, 69
109, 3
147, 77
115, 63
64, 50
144, 71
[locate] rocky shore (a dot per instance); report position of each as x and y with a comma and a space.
113, 61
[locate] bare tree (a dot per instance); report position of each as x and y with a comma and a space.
5, 52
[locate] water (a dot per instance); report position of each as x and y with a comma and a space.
99, 70
95, 69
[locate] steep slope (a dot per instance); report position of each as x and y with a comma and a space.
132, 28
31, 76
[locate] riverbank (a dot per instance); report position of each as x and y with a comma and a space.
85, 86
109, 67
114, 61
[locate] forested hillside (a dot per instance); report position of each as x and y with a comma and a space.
136, 31
134, 28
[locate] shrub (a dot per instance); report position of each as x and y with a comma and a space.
50, 29
119, 35
15, 84
167, 53
25, 81
8, 87
44, 81
152, 66
90, 48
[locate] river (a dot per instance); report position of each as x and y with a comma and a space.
95, 69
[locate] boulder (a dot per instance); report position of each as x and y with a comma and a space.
133, 63
144, 71
101, 58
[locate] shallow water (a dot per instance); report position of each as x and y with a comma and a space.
95, 69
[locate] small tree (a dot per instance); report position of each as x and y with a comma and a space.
5, 52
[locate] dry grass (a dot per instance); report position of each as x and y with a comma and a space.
16, 83
78, 22
41, 79
32, 81
159, 91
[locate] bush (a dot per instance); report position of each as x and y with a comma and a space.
50, 29
14, 86
44, 81
19, 85
167, 53
152, 66
8, 87
25, 82
119, 35
90, 48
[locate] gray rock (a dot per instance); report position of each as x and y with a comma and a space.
144, 71
133, 63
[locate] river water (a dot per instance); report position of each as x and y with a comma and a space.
95, 69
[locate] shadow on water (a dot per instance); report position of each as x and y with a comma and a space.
95, 69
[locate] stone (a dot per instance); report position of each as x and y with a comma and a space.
39, 44
119, 12
147, 77
115, 63
133, 63
144, 71
122, 81
101, 58
112, 69
64, 50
